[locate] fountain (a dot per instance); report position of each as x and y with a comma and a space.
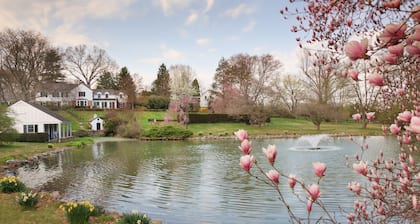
312, 142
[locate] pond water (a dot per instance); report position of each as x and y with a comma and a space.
196, 181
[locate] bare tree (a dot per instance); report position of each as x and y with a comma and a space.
252, 77
26, 59
289, 91
87, 64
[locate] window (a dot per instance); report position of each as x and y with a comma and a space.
31, 128
106, 95
65, 94
82, 94
44, 94
99, 95
55, 94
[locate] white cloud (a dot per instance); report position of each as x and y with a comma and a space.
170, 6
209, 5
250, 27
172, 54
60, 19
192, 18
290, 60
242, 9
202, 41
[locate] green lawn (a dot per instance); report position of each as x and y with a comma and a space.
277, 126
283, 126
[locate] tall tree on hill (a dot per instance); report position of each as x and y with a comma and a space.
26, 59
127, 85
161, 86
87, 64
107, 81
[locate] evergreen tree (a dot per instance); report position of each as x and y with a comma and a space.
196, 87
107, 81
127, 85
160, 86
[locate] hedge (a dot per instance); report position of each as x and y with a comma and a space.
219, 118
33, 137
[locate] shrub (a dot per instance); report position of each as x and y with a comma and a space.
157, 102
167, 132
129, 130
78, 212
28, 199
33, 137
11, 184
134, 218
8, 136
50, 145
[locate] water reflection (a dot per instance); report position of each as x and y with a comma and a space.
195, 182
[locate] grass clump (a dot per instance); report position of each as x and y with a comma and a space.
78, 212
167, 132
134, 218
11, 184
28, 199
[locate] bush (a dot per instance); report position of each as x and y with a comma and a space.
28, 199
78, 212
50, 145
81, 133
33, 137
134, 218
167, 132
217, 118
8, 136
157, 102
129, 130
11, 184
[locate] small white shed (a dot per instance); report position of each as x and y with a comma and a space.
97, 123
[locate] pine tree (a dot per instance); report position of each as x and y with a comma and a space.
107, 81
160, 86
127, 85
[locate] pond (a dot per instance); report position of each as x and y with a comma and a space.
197, 181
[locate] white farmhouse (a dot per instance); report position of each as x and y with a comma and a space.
34, 118
82, 96
108, 99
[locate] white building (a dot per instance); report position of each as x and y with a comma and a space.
97, 123
34, 118
79, 95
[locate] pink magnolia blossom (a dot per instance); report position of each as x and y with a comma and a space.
241, 134
314, 192
319, 168
413, 49
394, 129
292, 181
416, 35
246, 146
415, 203
356, 117
397, 50
392, 33
370, 116
400, 92
355, 49
270, 153
376, 80
354, 187
309, 206
414, 125
354, 74
407, 139
246, 162
389, 58
416, 13
273, 175
361, 168
404, 116
349, 22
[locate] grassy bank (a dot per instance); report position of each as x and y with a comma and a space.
24, 150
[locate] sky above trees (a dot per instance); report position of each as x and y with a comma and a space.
143, 34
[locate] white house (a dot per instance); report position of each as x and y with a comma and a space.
34, 118
108, 99
79, 95
82, 96
97, 123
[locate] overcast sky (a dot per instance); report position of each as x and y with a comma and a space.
142, 34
